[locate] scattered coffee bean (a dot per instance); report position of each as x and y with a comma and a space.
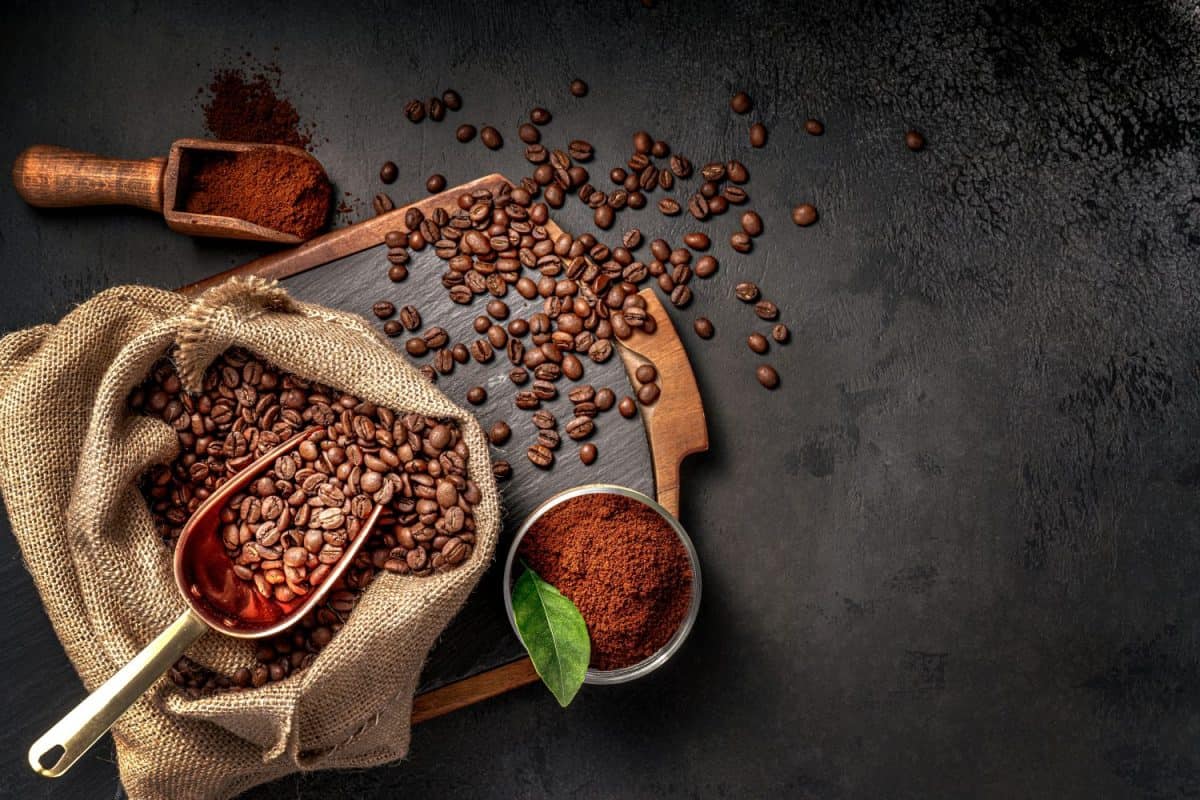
477, 395
605, 399
705, 267
502, 470
392, 328
696, 240
383, 309
435, 183
669, 206
746, 291
414, 110
680, 166
397, 273
814, 127
389, 172
539, 116
703, 327
549, 438
540, 456
736, 171
382, 204
436, 110
482, 351
681, 295
741, 103
465, 132
648, 393
767, 310
452, 100
741, 242
758, 134
410, 318
752, 223
416, 347
588, 453
491, 138
580, 150
498, 309
914, 141
627, 408
580, 428
767, 376
757, 342
499, 433
603, 217
460, 353
528, 133
579, 88
804, 214
698, 206
780, 333
632, 239
645, 373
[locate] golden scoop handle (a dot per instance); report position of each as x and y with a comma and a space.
61, 746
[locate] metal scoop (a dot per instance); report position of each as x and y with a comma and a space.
48, 176
217, 600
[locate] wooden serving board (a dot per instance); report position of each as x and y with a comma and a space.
478, 656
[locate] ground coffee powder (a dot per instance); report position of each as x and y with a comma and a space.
246, 108
278, 190
624, 568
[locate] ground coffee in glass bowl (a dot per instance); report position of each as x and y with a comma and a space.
626, 563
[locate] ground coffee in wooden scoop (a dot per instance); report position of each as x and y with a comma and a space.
282, 191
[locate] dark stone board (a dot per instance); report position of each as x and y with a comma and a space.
956, 553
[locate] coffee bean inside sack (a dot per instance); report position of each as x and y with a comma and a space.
291, 525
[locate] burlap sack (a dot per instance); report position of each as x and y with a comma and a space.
70, 457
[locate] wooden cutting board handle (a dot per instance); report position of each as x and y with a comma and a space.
58, 177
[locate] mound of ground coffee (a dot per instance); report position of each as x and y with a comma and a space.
624, 568
278, 190
247, 108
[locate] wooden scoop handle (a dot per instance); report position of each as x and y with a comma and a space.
57, 177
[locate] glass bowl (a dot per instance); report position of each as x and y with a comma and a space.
653, 661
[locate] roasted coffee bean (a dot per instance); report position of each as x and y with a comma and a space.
648, 393
681, 295
519, 376
397, 273
518, 327
666, 180
416, 347
746, 291
734, 195
498, 309
645, 373
697, 240
413, 218
435, 183
767, 376
465, 132
528, 133
389, 172
717, 205
549, 371
497, 337
491, 138
814, 127
537, 154
544, 390
502, 470
414, 110
588, 453
642, 142
580, 428
914, 141
632, 239
395, 240
461, 295
499, 433
741, 103
580, 150
436, 109
572, 367
544, 419
443, 362
741, 242
780, 333
706, 267
660, 149
603, 217
382, 204
383, 309
767, 310
712, 172
555, 196
736, 171
540, 456
703, 327
669, 206
515, 350
452, 100
527, 401
627, 407
605, 399
392, 328
698, 207
481, 324
435, 337
539, 116
680, 166
757, 342
600, 351
804, 214
477, 395
549, 438
758, 134
579, 88
482, 351
398, 254
460, 353
752, 223
582, 394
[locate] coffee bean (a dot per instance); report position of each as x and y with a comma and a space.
734, 195
518, 327
588, 453
437, 111
914, 141
502, 470
681, 295
413, 218
757, 342
767, 376
642, 142
752, 223
382, 204
603, 217
580, 150
397, 273
746, 291
416, 347
435, 183
648, 394
452, 100
395, 240
660, 149
549, 438
814, 127
632, 239
736, 171
698, 207
389, 172
680, 166
717, 205
481, 350
741, 242
435, 337
491, 138
580, 428
443, 361
696, 240
804, 214
461, 295
741, 103
497, 337
498, 309
410, 318
481, 324
476, 395
758, 134
392, 328
383, 309
499, 433
527, 401
645, 373
539, 116
669, 206
627, 407
529, 133
703, 327
540, 456
537, 154
579, 88
705, 267
544, 420
414, 110
605, 399
544, 389
767, 310
600, 351
465, 132
780, 333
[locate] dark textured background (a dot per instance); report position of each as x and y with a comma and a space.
955, 554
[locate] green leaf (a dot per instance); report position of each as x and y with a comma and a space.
554, 633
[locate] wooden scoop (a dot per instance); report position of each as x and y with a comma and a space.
57, 177
217, 599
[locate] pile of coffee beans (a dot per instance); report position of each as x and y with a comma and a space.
291, 525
